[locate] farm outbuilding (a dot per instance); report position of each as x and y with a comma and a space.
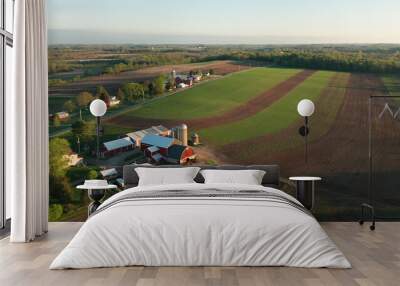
120, 183
117, 146
195, 139
114, 101
182, 85
183, 80
73, 159
109, 174
188, 82
63, 115
161, 142
137, 136
156, 158
153, 153
196, 78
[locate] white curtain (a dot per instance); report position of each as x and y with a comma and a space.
27, 124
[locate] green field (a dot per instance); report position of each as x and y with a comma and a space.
112, 132
216, 96
392, 84
327, 109
276, 117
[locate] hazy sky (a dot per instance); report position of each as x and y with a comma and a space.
223, 21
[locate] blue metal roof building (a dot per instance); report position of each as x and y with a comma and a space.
158, 141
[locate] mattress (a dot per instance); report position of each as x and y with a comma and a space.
201, 225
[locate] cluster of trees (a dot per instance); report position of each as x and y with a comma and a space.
61, 178
118, 68
85, 131
137, 91
80, 102
60, 188
147, 60
157, 86
85, 98
131, 92
57, 82
60, 66
320, 59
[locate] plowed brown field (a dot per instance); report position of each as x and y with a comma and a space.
344, 148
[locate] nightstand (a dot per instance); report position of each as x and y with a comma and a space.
305, 190
96, 192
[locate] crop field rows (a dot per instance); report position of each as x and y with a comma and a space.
261, 148
268, 132
274, 118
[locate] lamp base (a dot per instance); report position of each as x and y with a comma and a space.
304, 131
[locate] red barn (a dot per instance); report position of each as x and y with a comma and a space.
179, 154
161, 142
178, 80
188, 82
114, 147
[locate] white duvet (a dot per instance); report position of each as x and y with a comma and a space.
200, 231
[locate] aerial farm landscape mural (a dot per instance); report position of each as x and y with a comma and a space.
227, 104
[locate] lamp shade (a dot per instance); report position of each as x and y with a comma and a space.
98, 108
306, 107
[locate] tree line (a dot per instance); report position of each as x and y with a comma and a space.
120, 63
319, 59
148, 60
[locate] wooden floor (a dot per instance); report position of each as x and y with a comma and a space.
375, 257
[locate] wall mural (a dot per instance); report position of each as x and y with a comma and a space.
224, 104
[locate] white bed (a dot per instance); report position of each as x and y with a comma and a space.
201, 231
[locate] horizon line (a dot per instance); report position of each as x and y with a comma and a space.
92, 37
227, 44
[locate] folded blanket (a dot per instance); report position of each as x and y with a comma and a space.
205, 193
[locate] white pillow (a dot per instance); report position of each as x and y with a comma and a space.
166, 176
247, 177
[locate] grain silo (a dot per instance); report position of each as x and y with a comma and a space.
195, 139
181, 133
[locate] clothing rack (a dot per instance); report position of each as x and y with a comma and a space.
369, 205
